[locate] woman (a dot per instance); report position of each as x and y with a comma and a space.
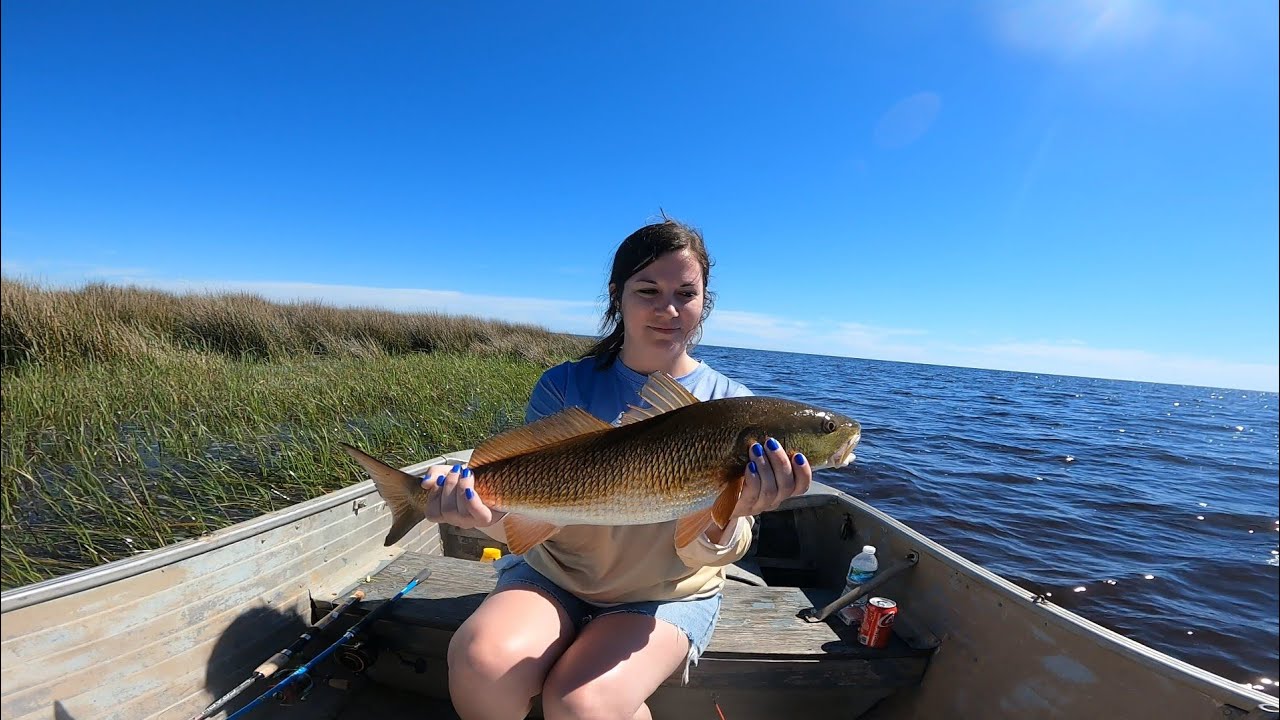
595, 618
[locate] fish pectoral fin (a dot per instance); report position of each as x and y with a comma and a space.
397, 489
722, 510
663, 394
523, 532
689, 527
568, 423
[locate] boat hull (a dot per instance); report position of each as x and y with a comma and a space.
164, 633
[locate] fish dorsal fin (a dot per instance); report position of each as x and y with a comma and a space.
568, 423
663, 394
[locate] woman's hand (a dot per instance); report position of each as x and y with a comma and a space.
452, 500
771, 477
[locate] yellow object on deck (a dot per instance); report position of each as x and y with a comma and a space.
490, 554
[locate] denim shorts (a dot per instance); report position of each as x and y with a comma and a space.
695, 618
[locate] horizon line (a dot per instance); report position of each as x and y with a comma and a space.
570, 313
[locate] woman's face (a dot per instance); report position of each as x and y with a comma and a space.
662, 304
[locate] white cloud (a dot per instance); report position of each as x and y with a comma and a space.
736, 328
570, 316
1076, 358
1062, 357
768, 329
60, 273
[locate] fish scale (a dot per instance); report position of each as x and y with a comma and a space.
647, 476
677, 458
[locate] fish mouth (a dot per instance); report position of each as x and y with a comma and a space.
844, 454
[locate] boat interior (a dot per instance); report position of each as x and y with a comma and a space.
766, 657
168, 632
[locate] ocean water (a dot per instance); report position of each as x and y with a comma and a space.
1149, 509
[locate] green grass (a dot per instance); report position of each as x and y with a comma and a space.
125, 429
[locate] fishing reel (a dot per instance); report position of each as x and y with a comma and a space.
358, 654
296, 692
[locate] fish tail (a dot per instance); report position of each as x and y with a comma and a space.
396, 488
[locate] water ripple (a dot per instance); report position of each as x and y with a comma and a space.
1149, 509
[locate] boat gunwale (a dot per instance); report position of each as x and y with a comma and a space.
124, 568
1211, 683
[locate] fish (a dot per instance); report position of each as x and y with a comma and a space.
670, 457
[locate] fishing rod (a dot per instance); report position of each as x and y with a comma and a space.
298, 674
280, 659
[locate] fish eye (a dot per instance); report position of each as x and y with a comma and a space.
829, 425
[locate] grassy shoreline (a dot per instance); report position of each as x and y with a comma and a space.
125, 430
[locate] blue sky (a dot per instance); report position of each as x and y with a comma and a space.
1078, 187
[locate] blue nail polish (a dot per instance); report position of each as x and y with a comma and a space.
752, 465
456, 468
466, 472
470, 494
440, 481
799, 458
756, 450
773, 444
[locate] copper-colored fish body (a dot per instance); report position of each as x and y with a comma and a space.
675, 459
654, 470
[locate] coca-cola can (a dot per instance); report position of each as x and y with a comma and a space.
877, 622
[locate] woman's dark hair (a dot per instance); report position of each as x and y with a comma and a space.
641, 248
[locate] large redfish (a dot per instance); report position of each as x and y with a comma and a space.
676, 459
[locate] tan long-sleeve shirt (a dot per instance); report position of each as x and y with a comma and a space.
630, 563
607, 565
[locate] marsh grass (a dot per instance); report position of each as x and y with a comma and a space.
133, 419
108, 323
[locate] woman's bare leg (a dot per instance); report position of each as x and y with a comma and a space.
614, 665
499, 657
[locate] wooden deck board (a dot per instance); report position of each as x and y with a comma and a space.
755, 622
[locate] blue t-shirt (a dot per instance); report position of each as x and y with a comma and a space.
607, 393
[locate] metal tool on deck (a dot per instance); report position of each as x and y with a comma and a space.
814, 615
302, 671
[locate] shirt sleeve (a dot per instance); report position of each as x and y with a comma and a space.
547, 397
704, 553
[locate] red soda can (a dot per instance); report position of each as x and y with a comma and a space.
877, 623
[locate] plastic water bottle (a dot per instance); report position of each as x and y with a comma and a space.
862, 568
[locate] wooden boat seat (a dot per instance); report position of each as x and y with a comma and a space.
756, 623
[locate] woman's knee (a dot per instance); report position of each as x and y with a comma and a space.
468, 657
480, 655
488, 650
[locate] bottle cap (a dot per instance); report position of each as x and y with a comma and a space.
490, 554
869, 549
